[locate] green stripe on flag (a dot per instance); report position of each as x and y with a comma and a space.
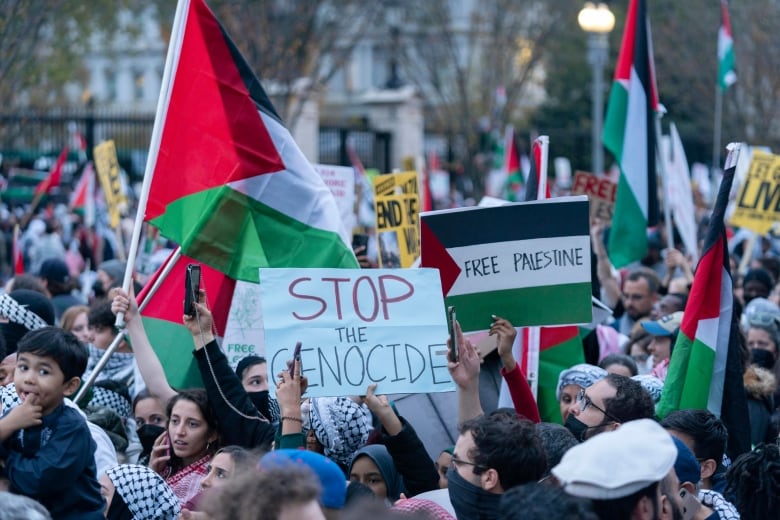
173, 346
615, 121
248, 235
551, 362
687, 387
628, 234
545, 305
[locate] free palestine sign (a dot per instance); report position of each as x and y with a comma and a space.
528, 262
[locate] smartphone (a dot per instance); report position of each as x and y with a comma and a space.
191, 288
296, 356
691, 504
454, 347
360, 240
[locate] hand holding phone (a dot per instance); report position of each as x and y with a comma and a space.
296, 357
691, 504
454, 345
191, 288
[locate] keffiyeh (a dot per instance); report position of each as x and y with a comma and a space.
341, 425
582, 375
146, 494
20, 314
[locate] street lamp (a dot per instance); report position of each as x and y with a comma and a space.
597, 20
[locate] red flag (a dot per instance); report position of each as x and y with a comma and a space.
17, 253
53, 179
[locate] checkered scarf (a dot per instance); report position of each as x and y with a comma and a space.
582, 375
110, 399
341, 425
146, 494
716, 502
17, 313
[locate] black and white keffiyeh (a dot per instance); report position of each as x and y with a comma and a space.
19, 314
716, 502
110, 399
145, 492
341, 425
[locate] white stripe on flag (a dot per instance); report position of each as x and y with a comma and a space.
723, 323
516, 261
633, 156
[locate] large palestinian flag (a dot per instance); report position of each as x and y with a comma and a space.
629, 134
228, 183
528, 262
705, 370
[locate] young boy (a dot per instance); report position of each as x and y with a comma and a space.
46, 445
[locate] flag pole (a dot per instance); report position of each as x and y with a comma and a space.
664, 178
115, 343
171, 60
716, 133
541, 192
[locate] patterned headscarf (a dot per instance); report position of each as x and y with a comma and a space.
651, 384
582, 375
341, 425
146, 494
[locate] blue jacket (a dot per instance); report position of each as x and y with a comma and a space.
54, 463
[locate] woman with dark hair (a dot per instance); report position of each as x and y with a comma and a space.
183, 455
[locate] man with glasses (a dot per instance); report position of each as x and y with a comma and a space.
606, 405
640, 293
493, 454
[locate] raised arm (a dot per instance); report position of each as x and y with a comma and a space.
465, 373
148, 363
609, 285
522, 397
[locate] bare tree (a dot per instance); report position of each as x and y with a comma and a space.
296, 46
477, 68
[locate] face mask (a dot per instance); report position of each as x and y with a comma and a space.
470, 502
577, 427
147, 434
265, 404
97, 289
762, 358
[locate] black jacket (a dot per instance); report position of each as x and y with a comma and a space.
411, 460
248, 432
54, 463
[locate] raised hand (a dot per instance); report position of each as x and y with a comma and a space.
465, 372
505, 335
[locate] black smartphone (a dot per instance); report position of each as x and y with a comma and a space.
360, 240
296, 357
191, 288
454, 347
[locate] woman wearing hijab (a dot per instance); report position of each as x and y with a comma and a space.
574, 379
134, 492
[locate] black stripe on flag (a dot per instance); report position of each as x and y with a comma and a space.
518, 221
643, 59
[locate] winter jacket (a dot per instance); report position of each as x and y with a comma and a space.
759, 385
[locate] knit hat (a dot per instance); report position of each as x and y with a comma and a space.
247, 362
618, 463
341, 425
146, 494
665, 326
582, 375
686, 466
334, 485
114, 269
759, 275
424, 508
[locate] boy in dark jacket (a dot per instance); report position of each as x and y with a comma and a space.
46, 445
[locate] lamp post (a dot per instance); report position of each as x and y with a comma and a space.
597, 20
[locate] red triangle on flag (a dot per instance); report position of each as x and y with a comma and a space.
55, 174
434, 254
215, 112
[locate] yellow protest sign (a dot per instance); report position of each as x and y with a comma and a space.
758, 203
397, 201
107, 166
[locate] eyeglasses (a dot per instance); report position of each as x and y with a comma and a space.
458, 463
585, 401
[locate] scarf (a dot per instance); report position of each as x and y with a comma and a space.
185, 483
120, 367
145, 493
471, 502
341, 425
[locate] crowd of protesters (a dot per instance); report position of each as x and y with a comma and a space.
134, 447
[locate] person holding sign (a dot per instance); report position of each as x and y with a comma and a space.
522, 397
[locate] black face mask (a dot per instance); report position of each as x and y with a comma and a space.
261, 402
147, 434
97, 289
578, 428
762, 358
471, 502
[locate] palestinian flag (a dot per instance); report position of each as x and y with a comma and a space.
727, 76
560, 348
161, 305
705, 370
228, 183
82, 200
514, 173
537, 178
519, 261
55, 174
629, 134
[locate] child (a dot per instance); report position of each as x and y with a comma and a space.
47, 447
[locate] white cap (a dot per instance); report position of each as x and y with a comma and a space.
618, 463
